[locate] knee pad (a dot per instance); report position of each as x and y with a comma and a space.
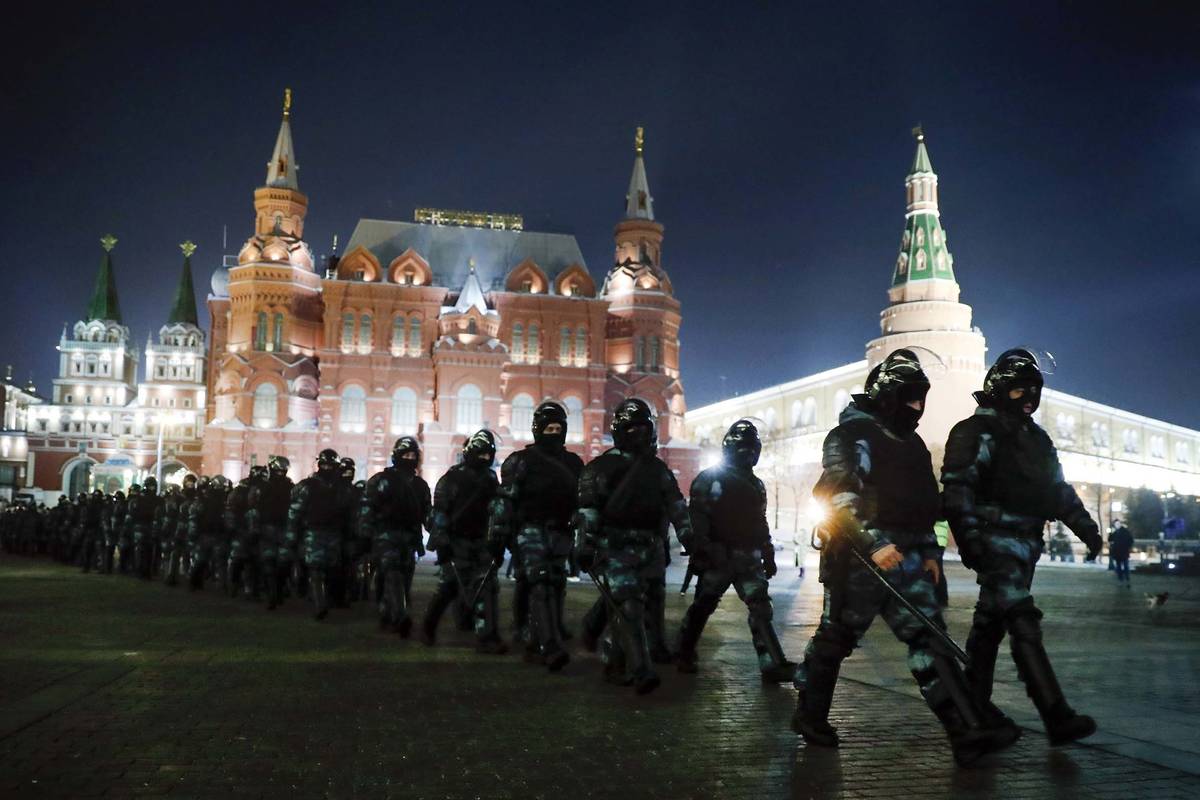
832, 641
706, 603
760, 610
1024, 622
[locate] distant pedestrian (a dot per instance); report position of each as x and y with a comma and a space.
1120, 543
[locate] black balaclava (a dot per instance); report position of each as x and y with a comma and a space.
545, 414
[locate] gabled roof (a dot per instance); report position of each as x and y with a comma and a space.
449, 249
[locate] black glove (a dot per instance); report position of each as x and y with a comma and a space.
768, 559
971, 551
1094, 544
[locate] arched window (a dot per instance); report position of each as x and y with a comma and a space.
1183, 453
797, 414
277, 333
564, 345
518, 342
414, 335
810, 412
532, 348
581, 347
522, 417
1131, 440
398, 334
266, 406
574, 408
260, 331
354, 409
654, 354
468, 409
769, 419
639, 353
472, 326
347, 330
364, 332
404, 411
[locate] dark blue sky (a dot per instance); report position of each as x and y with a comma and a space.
1066, 138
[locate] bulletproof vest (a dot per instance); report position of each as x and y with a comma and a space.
235, 504
633, 493
473, 490
1023, 478
212, 508
94, 511
142, 509
548, 486
901, 491
274, 495
737, 502
398, 504
326, 508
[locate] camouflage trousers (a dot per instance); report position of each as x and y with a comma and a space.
543, 552
743, 570
396, 556
633, 568
854, 597
322, 549
461, 579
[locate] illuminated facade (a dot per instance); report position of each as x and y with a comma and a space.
1104, 450
102, 428
435, 328
16, 402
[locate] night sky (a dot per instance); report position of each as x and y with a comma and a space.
1066, 139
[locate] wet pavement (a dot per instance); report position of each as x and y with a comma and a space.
117, 688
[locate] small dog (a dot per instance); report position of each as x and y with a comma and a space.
1156, 600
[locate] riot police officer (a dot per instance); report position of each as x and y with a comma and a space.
1002, 483
124, 538
317, 517
172, 527
394, 507
878, 481
113, 524
531, 515
205, 530
139, 524
268, 502
342, 577
624, 496
458, 533
731, 545
243, 575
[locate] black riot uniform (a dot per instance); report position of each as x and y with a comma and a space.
317, 518
342, 577
93, 512
458, 534
626, 496
531, 515
205, 530
172, 527
731, 546
243, 550
878, 481
113, 525
140, 515
1002, 483
267, 518
394, 508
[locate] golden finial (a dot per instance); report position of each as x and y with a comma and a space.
639, 141
919, 132
188, 248
108, 242
287, 103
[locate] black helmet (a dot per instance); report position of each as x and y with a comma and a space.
258, 473
118, 495
134, 490
150, 485
1018, 368
348, 468
633, 426
278, 465
403, 446
894, 383
190, 481
327, 459
742, 445
480, 448
546, 414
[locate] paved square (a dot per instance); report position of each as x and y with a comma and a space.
117, 688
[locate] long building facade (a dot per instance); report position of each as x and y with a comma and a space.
434, 328
1105, 451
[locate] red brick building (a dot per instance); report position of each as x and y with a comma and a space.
436, 327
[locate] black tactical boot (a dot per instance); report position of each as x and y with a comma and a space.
694, 620
766, 643
437, 606
637, 647
983, 644
1063, 725
594, 622
811, 719
320, 594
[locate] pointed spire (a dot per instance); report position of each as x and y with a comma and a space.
921, 159
638, 202
282, 169
103, 304
183, 309
471, 294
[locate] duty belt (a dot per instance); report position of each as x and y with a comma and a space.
619, 537
1020, 524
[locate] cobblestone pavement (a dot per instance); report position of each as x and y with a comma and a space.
117, 688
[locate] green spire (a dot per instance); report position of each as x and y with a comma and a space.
103, 304
921, 159
183, 309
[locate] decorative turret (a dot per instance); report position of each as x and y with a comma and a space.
280, 206
639, 238
104, 305
470, 321
924, 253
183, 308
638, 202
282, 169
